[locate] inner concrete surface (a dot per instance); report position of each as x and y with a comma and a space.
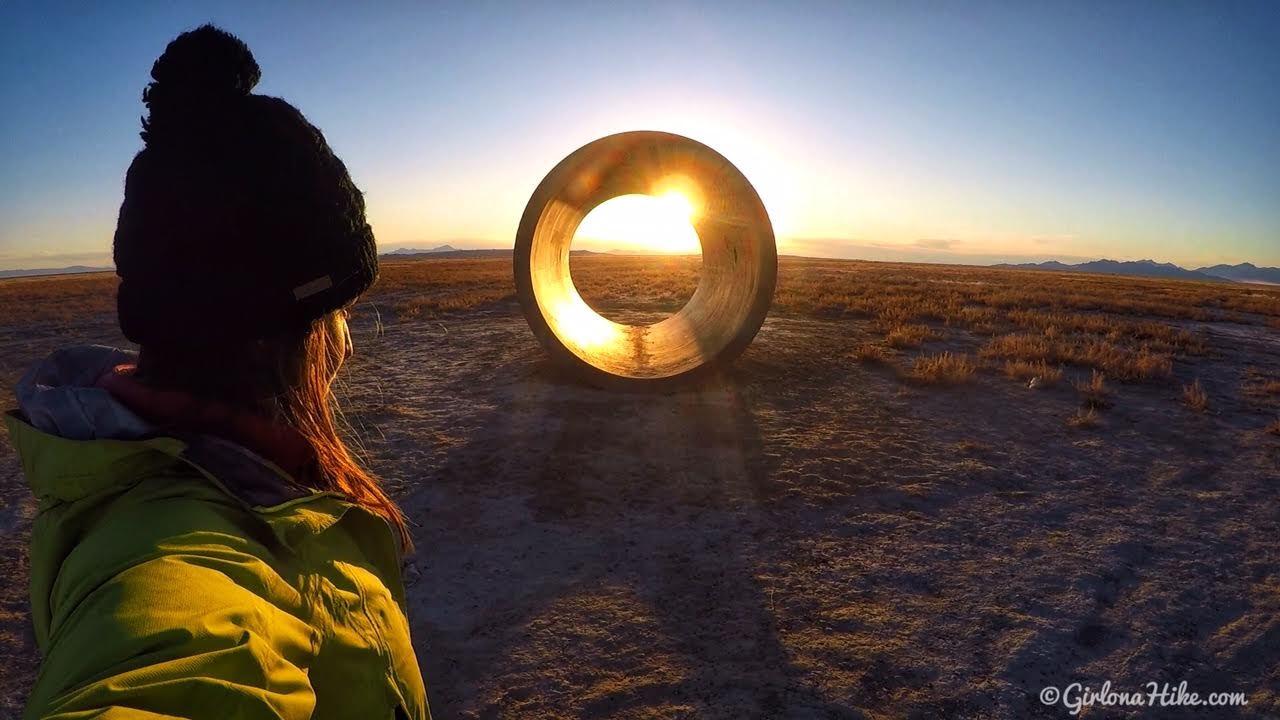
739, 262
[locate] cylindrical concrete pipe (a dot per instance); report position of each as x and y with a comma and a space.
739, 262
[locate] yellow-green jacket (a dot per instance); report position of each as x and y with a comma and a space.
187, 577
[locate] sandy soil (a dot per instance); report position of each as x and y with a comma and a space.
803, 537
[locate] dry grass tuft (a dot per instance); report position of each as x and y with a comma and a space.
1094, 393
943, 369
1261, 386
1084, 419
1151, 365
870, 353
1096, 386
1019, 347
969, 445
1041, 372
1112, 355
905, 336
1195, 396
1120, 362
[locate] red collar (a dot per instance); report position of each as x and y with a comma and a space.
277, 442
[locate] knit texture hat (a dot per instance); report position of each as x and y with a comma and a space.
238, 221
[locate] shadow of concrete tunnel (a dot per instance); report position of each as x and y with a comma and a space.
739, 263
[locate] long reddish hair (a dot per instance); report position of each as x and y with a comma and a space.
290, 379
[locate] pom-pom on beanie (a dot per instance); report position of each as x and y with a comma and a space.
238, 221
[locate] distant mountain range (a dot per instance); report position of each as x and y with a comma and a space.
437, 253
53, 271
420, 251
1244, 272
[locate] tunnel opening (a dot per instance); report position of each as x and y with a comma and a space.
636, 259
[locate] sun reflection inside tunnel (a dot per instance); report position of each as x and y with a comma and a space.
583, 326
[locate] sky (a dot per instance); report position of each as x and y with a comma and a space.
931, 131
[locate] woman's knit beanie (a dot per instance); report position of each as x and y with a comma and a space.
238, 221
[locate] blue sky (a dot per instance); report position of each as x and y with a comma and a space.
964, 132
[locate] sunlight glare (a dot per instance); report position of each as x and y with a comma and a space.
584, 326
641, 223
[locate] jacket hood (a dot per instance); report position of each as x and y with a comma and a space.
75, 439
57, 396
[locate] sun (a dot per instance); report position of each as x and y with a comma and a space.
675, 204
661, 223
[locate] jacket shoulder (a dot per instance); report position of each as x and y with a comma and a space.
165, 605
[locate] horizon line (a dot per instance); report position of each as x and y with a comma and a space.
949, 259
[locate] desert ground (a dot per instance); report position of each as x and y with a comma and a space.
923, 491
